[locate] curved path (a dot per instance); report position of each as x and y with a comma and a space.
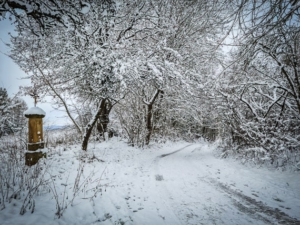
192, 186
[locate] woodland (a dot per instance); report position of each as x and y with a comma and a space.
181, 112
153, 70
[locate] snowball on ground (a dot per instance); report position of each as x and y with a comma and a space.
35, 111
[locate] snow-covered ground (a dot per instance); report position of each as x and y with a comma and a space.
171, 183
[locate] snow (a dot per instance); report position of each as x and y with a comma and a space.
35, 111
175, 53
155, 70
86, 7
170, 183
41, 150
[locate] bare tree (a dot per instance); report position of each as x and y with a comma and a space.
261, 87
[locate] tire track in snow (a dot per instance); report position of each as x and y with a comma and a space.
256, 209
171, 153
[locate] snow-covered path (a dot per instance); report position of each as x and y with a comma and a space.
187, 184
178, 183
213, 191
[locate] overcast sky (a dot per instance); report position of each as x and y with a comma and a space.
11, 77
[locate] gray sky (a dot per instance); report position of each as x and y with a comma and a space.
11, 77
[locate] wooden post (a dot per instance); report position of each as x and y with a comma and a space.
35, 135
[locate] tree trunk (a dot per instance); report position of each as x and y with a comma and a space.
91, 124
149, 117
104, 118
149, 124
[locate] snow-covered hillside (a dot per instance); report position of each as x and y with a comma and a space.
171, 183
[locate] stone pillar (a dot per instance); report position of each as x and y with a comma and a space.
35, 135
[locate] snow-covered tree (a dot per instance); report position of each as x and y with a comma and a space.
171, 57
80, 65
12, 119
157, 51
160, 47
4, 103
41, 16
261, 88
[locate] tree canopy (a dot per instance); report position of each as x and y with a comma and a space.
168, 68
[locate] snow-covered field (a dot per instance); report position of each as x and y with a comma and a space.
171, 183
